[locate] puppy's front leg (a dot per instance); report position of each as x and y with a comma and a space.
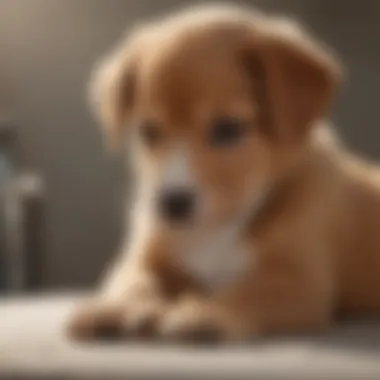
131, 301
262, 304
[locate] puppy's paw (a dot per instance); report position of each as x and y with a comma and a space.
141, 318
96, 320
192, 321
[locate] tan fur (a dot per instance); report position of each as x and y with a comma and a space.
314, 242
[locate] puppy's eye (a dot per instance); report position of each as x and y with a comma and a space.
150, 133
226, 132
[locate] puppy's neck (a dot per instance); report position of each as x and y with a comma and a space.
215, 257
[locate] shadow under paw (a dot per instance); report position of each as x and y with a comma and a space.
205, 334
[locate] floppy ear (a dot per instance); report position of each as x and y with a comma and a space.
299, 77
112, 89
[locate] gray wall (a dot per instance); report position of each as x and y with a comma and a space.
47, 48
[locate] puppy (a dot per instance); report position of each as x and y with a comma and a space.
249, 216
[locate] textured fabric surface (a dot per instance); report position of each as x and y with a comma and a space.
32, 346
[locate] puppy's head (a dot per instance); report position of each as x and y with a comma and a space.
218, 103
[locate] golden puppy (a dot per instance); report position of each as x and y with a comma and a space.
249, 217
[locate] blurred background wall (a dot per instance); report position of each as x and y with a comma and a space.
47, 49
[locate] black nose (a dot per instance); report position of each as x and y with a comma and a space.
176, 205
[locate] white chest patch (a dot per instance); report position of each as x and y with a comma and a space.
216, 259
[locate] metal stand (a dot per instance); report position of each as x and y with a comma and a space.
21, 220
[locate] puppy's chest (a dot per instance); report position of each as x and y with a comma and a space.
215, 260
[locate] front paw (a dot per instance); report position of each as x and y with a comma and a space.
96, 319
193, 321
107, 320
141, 318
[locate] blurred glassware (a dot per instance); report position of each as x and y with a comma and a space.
21, 218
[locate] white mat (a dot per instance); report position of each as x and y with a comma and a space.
32, 346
